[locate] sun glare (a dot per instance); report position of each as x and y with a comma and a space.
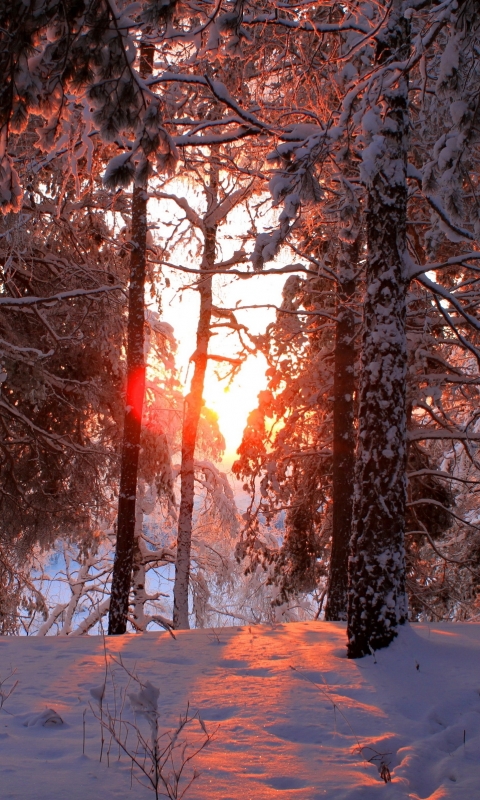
180, 307
234, 403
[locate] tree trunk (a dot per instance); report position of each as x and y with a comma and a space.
343, 434
139, 594
377, 600
193, 408
122, 567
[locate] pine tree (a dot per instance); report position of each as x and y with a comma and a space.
344, 433
135, 394
377, 600
61, 333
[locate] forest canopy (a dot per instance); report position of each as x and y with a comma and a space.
335, 145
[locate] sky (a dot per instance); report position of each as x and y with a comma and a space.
232, 403
180, 309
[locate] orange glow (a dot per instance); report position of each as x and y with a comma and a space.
254, 664
181, 311
135, 391
234, 403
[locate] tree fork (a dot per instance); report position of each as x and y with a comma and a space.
377, 599
135, 393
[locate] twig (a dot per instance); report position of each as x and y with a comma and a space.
4, 694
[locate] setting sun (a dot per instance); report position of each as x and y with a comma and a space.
234, 403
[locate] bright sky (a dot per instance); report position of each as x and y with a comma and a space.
232, 404
180, 309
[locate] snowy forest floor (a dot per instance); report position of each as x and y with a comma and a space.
417, 710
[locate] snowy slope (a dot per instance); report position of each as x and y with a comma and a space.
278, 734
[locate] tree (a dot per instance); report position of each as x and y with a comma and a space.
119, 99
344, 433
61, 333
193, 405
221, 196
369, 116
356, 105
285, 453
377, 600
135, 393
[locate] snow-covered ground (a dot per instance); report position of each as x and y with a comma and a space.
294, 718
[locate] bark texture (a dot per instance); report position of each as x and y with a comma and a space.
377, 600
192, 411
343, 434
125, 545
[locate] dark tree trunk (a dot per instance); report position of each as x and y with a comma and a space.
193, 408
122, 567
343, 434
377, 600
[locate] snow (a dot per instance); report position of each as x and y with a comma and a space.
294, 718
371, 156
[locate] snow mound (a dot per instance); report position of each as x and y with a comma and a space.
46, 719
